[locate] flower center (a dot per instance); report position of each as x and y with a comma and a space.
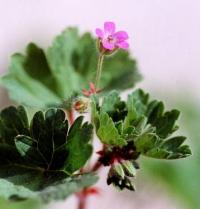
111, 39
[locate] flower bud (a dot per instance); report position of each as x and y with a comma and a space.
81, 105
129, 168
117, 177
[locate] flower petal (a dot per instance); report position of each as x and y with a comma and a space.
109, 27
123, 45
121, 36
108, 45
99, 33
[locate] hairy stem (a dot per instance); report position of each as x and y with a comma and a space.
99, 69
82, 196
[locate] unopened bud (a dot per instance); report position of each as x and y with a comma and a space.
82, 104
129, 168
118, 177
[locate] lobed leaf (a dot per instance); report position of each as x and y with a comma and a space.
60, 190
40, 79
39, 160
108, 133
78, 147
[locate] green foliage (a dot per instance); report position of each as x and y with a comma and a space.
107, 131
58, 190
142, 125
29, 83
143, 122
36, 159
30, 204
78, 147
183, 179
68, 186
40, 79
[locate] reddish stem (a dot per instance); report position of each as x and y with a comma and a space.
96, 166
82, 202
70, 115
82, 196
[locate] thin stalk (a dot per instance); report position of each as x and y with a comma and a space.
82, 197
99, 69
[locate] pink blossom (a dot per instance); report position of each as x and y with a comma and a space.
111, 39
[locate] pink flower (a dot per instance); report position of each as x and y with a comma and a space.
91, 91
111, 39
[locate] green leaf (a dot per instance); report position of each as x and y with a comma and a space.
13, 121
8, 190
165, 125
27, 148
43, 80
63, 189
37, 156
7, 204
59, 190
78, 147
175, 148
113, 105
146, 142
119, 71
136, 106
59, 57
152, 146
164, 122
50, 133
109, 101
182, 176
138, 100
25, 85
107, 131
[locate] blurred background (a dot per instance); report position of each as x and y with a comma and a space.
164, 38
